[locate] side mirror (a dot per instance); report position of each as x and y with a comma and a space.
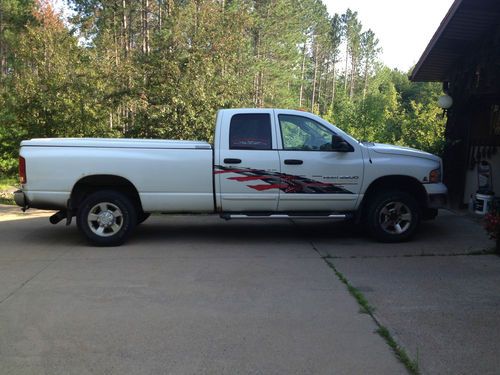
340, 145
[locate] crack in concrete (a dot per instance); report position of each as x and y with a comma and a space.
473, 253
24, 283
399, 351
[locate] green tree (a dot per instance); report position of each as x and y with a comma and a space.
369, 53
336, 34
162, 68
50, 91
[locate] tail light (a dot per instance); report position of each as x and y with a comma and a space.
22, 170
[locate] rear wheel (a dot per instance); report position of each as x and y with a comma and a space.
106, 218
393, 216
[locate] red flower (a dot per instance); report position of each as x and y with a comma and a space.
492, 224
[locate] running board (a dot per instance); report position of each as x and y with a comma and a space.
282, 216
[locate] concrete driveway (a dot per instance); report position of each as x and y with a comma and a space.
191, 295
438, 295
187, 295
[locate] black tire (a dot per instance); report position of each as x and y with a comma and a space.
429, 213
393, 216
142, 217
106, 218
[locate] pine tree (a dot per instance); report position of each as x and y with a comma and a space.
162, 68
369, 52
336, 33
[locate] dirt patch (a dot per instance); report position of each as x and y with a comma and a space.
8, 213
7, 197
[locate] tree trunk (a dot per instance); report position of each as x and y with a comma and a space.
147, 26
365, 85
313, 97
258, 89
130, 28
115, 37
124, 27
170, 7
143, 26
320, 85
301, 95
333, 84
197, 17
353, 77
346, 65
3, 59
261, 93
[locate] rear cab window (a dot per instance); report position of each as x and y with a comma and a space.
250, 131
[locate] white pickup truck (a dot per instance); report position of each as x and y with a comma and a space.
265, 163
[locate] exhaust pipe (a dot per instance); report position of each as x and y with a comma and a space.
57, 217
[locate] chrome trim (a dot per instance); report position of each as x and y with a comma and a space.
279, 216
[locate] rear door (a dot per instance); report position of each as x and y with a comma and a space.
247, 165
315, 178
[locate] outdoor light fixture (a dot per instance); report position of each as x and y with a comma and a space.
445, 101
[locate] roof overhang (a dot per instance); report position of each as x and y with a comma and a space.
464, 25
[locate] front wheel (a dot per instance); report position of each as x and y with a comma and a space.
393, 216
106, 218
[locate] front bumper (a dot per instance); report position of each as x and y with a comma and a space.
437, 195
20, 199
437, 201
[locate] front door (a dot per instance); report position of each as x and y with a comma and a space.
247, 167
313, 177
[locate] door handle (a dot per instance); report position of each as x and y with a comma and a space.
232, 161
294, 162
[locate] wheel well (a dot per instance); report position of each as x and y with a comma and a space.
90, 184
402, 183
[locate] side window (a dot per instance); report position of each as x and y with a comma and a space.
250, 131
303, 134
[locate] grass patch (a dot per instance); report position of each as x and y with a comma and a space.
365, 307
7, 183
411, 366
482, 252
7, 200
421, 255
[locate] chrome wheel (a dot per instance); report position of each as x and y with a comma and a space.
395, 218
105, 219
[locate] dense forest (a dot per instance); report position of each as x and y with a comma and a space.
161, 69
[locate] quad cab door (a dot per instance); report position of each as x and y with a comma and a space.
314, 176
247, 165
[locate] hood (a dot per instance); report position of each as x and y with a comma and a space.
381, 148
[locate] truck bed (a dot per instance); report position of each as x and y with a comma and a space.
170, 176
116, 143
